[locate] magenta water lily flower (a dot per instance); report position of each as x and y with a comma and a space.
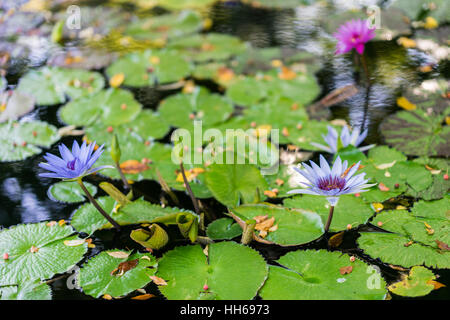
353, 35
73, 164
335, 142
331, 182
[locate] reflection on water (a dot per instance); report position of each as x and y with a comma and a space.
308, 28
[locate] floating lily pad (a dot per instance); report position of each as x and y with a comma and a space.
51, 85
322, 275
150, 67
70, 191
110, 107
232, 184
419, 237
294, 226
182, 110
225, 271
37, 251
117, 276
223, 229
184, 4
307, 132
415, 133
350, 210
26, 291
414, 9
419, 282
20, 140
208, 47
87, 219
86, 58
16, 105
147, 126
166, 26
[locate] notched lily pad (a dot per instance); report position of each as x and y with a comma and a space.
70, 191
223, 229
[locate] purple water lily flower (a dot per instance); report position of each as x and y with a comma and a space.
355, 138
332, 182
73, 164
353, 35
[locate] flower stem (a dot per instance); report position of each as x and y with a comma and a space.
122, 176
97, 206
330, 217
189, 190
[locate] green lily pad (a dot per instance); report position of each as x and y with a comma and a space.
307, 132
398, 250
99, 276
350, 210
150, 67
20, 140
231, 271
418, 283
26, 291
184, 4
295, 226
166, 26
147, 126
49, 254
414, 9
51, 85
232, 184
317, 275
182, 110
416, 133
17, 104
223, 229
70, 191
247, 91
208, 47
110, 107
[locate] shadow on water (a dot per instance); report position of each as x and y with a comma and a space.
23, 195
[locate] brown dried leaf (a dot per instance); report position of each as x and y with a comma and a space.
133, 166
336, 240
143, 296
124, 267
346, 270
158, 281
442, 245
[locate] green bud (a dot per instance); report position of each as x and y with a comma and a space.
115, 149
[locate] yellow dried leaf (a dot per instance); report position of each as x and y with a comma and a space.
62, 222
225, 74
133, 167
436, 285
260, 219
406, 42
158, 281
107, 297
265, 225
430, 23
270, 193
154, 60
276, 63
118, 254
116, 80
263, 130
377, 206
286, 74
406, 104
143, 296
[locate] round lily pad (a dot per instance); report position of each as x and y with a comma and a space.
110, 107
416, 133
322, 275
182, 110
149, 68
419, 282
20, 140
26, 291
208, 47
116, 273
230, 271
232, 184
223, 229
16, 104
184, 4
166, 26
70, 191
148, 125
292, 226
51, 85
38, 251
350, 210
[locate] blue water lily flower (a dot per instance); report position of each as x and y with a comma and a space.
354, 138
331, 182
73, 164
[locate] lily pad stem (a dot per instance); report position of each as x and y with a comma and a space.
189, 190
330, 217
247, 234
122, 176
97, 206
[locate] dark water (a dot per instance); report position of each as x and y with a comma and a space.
23, 195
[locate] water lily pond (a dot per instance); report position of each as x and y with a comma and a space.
224, 150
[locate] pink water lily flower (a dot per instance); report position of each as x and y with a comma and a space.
353, 35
